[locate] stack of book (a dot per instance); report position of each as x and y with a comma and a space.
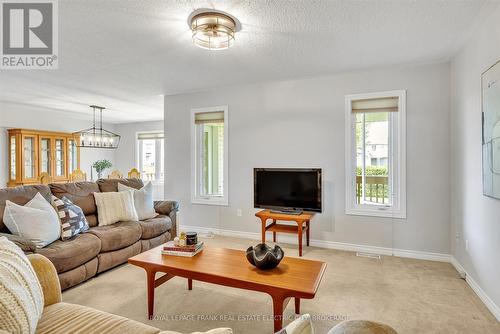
188, 251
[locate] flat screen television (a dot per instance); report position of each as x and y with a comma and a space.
288, 189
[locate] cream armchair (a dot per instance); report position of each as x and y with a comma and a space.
62, 318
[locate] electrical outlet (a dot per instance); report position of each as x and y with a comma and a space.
466, 245
239, 213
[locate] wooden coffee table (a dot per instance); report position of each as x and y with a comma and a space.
293, 278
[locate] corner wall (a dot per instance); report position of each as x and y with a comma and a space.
474, 217
16, 116
300, 123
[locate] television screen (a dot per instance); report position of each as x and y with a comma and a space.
287, 189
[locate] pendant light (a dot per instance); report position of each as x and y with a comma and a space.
96, 136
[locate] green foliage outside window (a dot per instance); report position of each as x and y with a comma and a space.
373, 171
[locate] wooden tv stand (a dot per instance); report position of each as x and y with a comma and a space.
303, 225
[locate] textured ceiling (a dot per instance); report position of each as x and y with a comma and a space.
124, 54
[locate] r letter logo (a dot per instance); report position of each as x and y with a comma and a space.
29, 34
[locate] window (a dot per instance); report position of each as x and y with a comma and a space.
376, 154
150, 156
209, 158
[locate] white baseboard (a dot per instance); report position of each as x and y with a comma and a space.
494, 309
490, 304
458, 267
327, 244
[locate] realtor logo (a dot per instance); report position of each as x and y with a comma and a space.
29, 34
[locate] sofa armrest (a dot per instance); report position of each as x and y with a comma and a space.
47, 275
26, 245
168, 208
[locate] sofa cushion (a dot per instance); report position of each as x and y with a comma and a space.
147, 244
111, 185
153, 227
80, 193
69, 254
92, 220
20, 195
117, 236
108, 260
63, 318
79, 274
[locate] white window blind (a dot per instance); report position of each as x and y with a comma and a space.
150, 135
209, 117
385, 104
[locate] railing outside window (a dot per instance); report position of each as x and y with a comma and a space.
377, 189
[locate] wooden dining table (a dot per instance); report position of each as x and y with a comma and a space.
294, 277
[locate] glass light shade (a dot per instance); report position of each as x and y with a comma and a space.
96, 136
213, 31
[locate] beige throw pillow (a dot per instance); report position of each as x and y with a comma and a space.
21, 296
113, 207
143, 200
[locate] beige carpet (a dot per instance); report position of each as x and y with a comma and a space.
413, 296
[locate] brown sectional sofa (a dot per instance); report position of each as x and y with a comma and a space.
102, 247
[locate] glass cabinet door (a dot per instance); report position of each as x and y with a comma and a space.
12, 154
45, 156
29, 153
72, 155
60, 157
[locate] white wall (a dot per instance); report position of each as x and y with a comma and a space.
300, 123
16, 116
474, 217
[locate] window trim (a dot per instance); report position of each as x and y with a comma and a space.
397, 135
196, 198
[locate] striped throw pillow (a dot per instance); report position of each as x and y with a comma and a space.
72, 219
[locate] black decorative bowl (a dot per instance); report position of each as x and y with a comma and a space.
264, 257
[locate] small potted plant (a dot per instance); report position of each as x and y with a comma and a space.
100, 166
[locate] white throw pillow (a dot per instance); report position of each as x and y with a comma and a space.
21, 295
36, 221
143, 200
113, 207
216, 331
301, 325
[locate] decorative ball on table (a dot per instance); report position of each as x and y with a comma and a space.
265, 257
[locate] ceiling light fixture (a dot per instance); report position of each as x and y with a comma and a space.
213, 30
96, 136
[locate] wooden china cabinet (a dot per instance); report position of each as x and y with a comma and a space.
32, 152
